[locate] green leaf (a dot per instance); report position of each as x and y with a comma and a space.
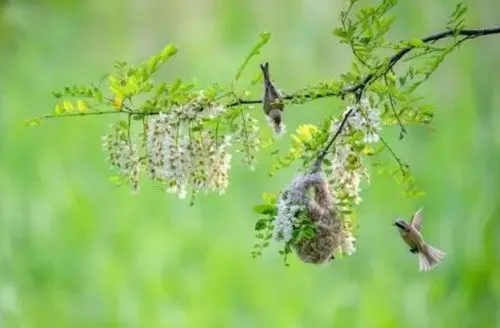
122, 125
309, 232
68, 106
365, 40
160, 89
169, 51
340, 32
98, 95
265, 209
456, 21
269, 198
82, 106
156, 61
261, 224
264, 39
59, 109
175, 86
417, 43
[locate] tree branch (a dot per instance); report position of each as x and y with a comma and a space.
323, 153
370, 78
49, 116
357, 89
402, 166
402, 131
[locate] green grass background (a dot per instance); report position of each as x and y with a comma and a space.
77, 252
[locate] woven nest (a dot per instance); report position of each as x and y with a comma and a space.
320, 210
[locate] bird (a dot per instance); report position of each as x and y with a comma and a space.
428, 256
272, 102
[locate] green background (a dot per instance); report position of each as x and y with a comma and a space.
77, 252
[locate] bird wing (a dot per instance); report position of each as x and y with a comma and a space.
416, 220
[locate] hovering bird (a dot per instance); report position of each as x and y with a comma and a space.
428, 256
273, 102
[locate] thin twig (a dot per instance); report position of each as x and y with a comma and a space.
323, 153
343, 18
49, 116
239, 102
393, 106
402, 166
129, 126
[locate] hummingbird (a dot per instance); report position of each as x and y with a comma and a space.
273, 102
428, 256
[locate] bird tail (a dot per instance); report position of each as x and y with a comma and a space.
265, 71
429, 257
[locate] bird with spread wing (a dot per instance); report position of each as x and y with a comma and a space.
428, 256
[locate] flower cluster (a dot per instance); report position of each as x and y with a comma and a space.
293, 199
347, 173
287, 213
181, 159
247, 135
187, 148
347, 168
198, 109
367, 120
122, 155
348, 242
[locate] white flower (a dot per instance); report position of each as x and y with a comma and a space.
356, 121
348, 241
121, 154
218, 171
159, 128
340, 155
247, 137
283, 223
365, 102
367, 119
214, 110
183, 161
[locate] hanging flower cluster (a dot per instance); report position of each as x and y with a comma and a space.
122, 154
348, 169
197, 159
181, 153
247, 135
289, 205
187, 148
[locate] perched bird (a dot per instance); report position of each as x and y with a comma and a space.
428, 256
273, 102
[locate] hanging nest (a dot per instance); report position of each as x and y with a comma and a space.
311, 192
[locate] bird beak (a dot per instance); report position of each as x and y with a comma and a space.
399, 225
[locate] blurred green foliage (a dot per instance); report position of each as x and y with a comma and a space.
77, 252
